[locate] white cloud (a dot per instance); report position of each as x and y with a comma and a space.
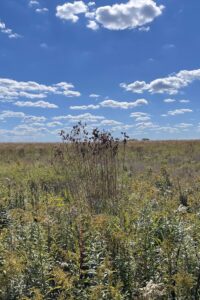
119, 16
34, 3
64, 88
179, 111
169, 100
123, 105
85, 107
110, 123
92, 25
90, 15
34, 119
6, 114
87, 117
133, 14
28, 130
170, 85
41, 104
184, 101
135, 87
69, 11
140, 116
169, 129
9, 32
91, 3
142, 119
184, 125
144, 28
146, 125
11, 114
124, 127
42, 10
12, 89
54, 124
94, 96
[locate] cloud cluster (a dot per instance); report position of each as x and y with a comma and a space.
133, 14
119, 16
110, 123
11, 89
180, 111
7, 114
122, 104
36, 5
112, 104
87, 117
94, 96
70, 11
169, 100
171, 84
41, 104
9, 32
140, 116
84, 107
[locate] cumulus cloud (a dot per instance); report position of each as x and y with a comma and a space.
146, 125
119, 16
184, 125
179, 111
169, 100
9, 32
91, 3
34, 119
135, 87
123, 127
54, 124
144, 28
133, 14
87, 117
6, 114
37, 7
123, 105
42, 10
34, 3
92, 25
70, 11
184, 101
110, 123
12, 89
41, 104
28, 130
94, 96
140, 116
11, 114
84, 107
171, 84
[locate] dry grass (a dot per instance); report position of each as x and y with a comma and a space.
103, 226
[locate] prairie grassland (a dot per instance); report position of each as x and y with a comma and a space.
122, 225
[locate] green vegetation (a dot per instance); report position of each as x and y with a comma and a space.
100, 219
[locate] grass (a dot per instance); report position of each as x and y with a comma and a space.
103, 225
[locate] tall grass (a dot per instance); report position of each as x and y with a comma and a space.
98, 218
92, 166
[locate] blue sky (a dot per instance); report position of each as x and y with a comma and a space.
129, 66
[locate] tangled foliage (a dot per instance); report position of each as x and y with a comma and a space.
99, 218
91, 162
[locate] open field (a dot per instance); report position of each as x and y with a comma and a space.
70, 229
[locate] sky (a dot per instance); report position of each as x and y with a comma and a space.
130, 66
